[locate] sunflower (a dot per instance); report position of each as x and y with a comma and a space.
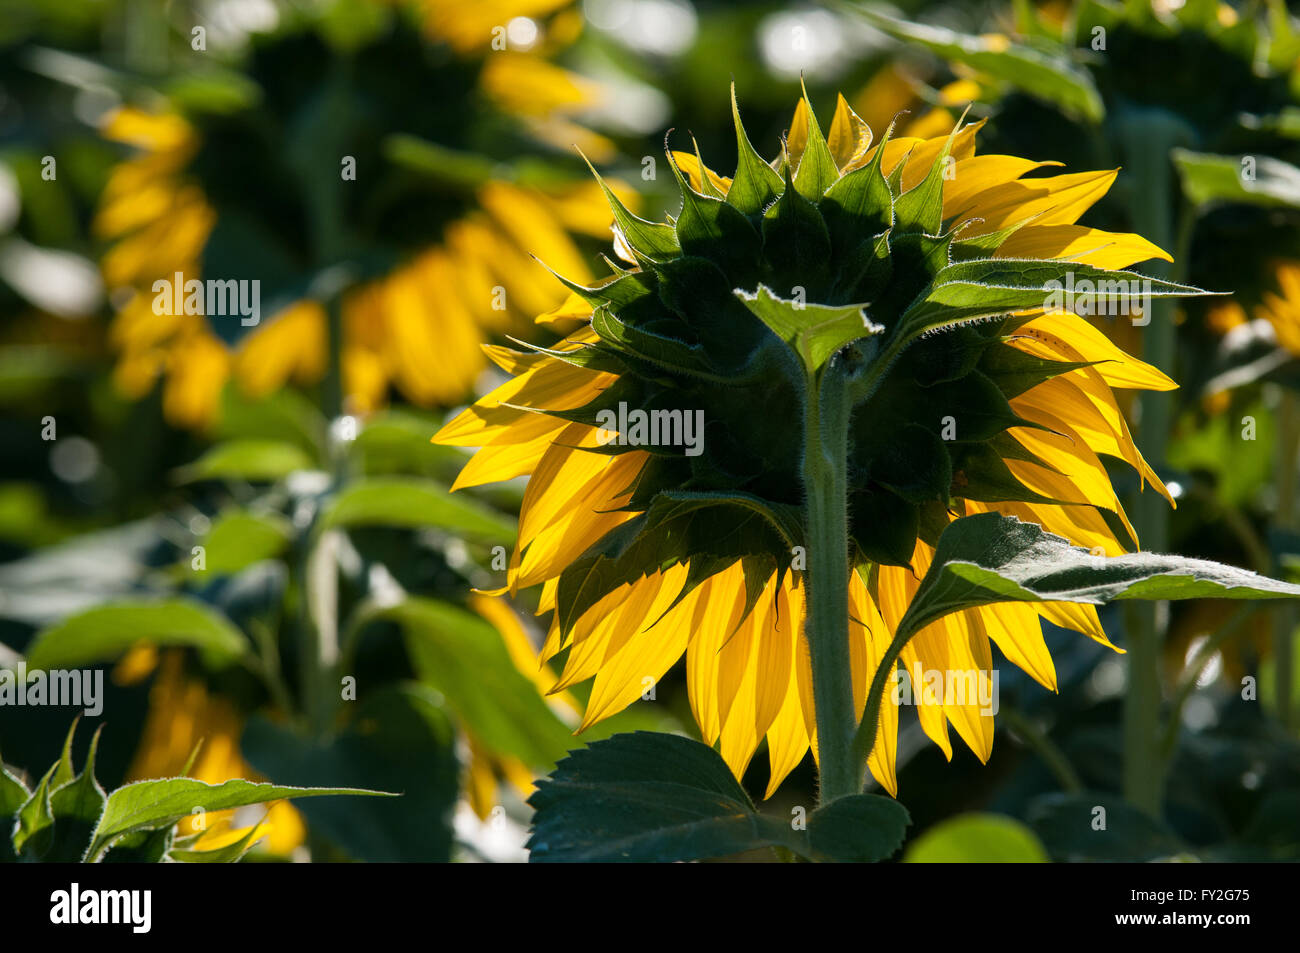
192, 732
441, 268
648, 551
1281, 307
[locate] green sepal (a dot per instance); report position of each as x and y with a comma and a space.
756, 185
920, 208
76, 807
654, 240
859, 205
712, 229
812, 331
817, 170
796, 244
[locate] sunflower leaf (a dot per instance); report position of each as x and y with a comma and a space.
991, 558
859, 829
1051, 78
1250, 180
465, 659
105, 632
646, 797
413, 502
654, 240
255, 461
658, 349
796, 244
659, 798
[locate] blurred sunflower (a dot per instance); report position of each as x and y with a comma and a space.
485, 769
646, 553
434, 230
1273, 321
186, 720
1281, 307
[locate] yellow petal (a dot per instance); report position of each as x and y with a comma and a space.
1091, 246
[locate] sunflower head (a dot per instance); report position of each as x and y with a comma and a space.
667, 441
832, 248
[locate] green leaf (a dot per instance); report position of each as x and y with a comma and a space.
991, 558
859, 829
657, 798
285, 416
415, 503
461, 655
451, 168
645, 797
252, 460
1212, 179
397, 441
238, 538
105, 632
1051, 78
153, 804
756, 184
977, 839
813, 331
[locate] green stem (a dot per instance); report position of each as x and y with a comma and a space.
1288, 517
827, 580
1046, 749
1148, 136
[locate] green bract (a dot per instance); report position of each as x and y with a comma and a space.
738, 309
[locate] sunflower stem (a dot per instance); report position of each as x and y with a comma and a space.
1288, 517
826, 427
1148, 136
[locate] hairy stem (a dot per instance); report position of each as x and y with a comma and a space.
827, 579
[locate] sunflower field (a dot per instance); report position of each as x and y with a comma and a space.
489, 431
